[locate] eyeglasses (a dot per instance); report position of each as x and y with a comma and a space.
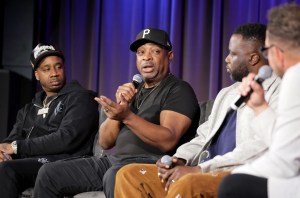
264, 50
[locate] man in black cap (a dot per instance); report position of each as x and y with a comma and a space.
60, 122
142, 124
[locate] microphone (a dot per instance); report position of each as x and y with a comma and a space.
166, 160
263, 73
137, 80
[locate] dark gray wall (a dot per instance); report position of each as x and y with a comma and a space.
17, 36
15, 70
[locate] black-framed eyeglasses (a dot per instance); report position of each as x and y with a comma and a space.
264, 50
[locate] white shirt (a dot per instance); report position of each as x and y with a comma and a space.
281, 131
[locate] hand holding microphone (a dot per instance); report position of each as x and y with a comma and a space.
166, 160
263, 73
126, 90
163, 165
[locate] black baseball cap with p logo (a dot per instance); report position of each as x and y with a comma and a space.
152, 35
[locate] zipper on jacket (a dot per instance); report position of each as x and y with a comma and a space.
29, 132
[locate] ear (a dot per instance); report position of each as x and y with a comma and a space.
254, 59
37, 77
280, 56
170, 55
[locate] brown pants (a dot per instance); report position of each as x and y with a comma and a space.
141, 180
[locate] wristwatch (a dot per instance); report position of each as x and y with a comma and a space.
14, 147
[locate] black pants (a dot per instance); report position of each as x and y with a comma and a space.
70, 177
243, 186
18, 175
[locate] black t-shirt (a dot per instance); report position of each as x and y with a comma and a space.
171, 94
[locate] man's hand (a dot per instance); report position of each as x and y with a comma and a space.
127, 91
257, 99
115, 111
171, 173
175, 162
6, 150
174, 174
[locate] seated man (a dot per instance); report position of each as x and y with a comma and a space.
276, 173
59, 123
224, 142
143, 124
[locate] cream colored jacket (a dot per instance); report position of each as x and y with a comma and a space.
248, 145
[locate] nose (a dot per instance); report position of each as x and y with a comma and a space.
227, 59
147, 55
54, 71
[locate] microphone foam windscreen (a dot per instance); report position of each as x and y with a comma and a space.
137, 78
264, 72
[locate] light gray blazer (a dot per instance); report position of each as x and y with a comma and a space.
248, 145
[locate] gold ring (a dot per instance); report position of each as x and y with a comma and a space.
106, 110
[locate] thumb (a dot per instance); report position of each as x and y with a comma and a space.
123, 101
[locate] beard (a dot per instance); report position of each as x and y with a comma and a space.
239, 72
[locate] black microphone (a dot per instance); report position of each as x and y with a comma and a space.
263, 73
137, 80
166, 160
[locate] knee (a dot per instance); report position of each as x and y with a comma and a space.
3, 167
131, 170
228, 186
6, 171
187, 178
183, 182
125, 170
44, 172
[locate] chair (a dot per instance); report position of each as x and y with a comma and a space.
205, 110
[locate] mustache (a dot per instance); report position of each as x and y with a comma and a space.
54, 79
147, 63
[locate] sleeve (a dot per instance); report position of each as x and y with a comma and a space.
16, 132
250, 148
77, 126
182, 99
189, 150
282, 158
263, 130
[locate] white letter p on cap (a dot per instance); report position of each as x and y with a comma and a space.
146, 31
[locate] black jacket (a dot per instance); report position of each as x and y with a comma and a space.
68, 129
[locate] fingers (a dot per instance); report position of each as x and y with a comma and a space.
255, 86
172, 179
107, 104
169, 183
245, 86
159, 164
127, 91
4, 157
166, 174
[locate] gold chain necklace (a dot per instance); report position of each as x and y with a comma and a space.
138, 106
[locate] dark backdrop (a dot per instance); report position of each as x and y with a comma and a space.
95, 36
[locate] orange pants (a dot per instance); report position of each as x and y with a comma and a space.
141, 180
